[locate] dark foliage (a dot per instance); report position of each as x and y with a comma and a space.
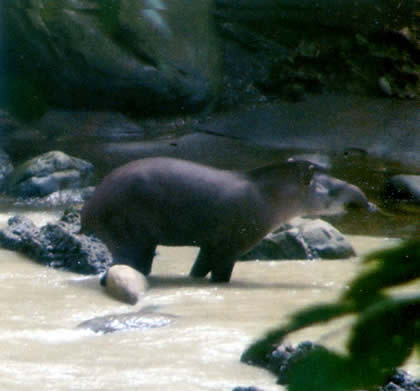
384, 335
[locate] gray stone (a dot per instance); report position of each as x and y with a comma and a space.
125, 283
306, 239
48, 173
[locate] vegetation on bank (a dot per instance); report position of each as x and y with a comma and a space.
385, 332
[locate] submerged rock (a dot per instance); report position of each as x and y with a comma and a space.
48, 173
125, 283
306, 239
57, 244
144, 319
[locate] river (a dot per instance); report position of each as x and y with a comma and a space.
41, 348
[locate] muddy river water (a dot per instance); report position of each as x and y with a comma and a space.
41, 348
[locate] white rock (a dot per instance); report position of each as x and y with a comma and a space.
125, 283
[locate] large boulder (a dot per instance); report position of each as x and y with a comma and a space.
47, 174
138, 55
57, 244
306, 239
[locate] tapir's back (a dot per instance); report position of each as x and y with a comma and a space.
180, 202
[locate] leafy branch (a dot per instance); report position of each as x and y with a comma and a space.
385, 333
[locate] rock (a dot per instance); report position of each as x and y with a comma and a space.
401, 381
6, 168
125, 283
306, 239
48, 173
144, 319
66, 198
392, 387
57, 244
141, 56
403, 188
280, 359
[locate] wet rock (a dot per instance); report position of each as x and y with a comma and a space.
61, 198
6, 168
403, 188
144, 319
305, 239
125, 283
48, 173
281, 360
57, 244
401, 381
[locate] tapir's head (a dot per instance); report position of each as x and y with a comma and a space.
328, 196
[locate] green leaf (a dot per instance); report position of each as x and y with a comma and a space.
385, 334
394, 267
321, 370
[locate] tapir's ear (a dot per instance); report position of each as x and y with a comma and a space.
305, 169
308, 174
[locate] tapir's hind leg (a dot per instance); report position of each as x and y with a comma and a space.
219, 263
144, 258
203, 264
222, 271
139, 256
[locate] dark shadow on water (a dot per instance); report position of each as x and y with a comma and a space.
169, 282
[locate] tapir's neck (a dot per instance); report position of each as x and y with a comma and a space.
284, 189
